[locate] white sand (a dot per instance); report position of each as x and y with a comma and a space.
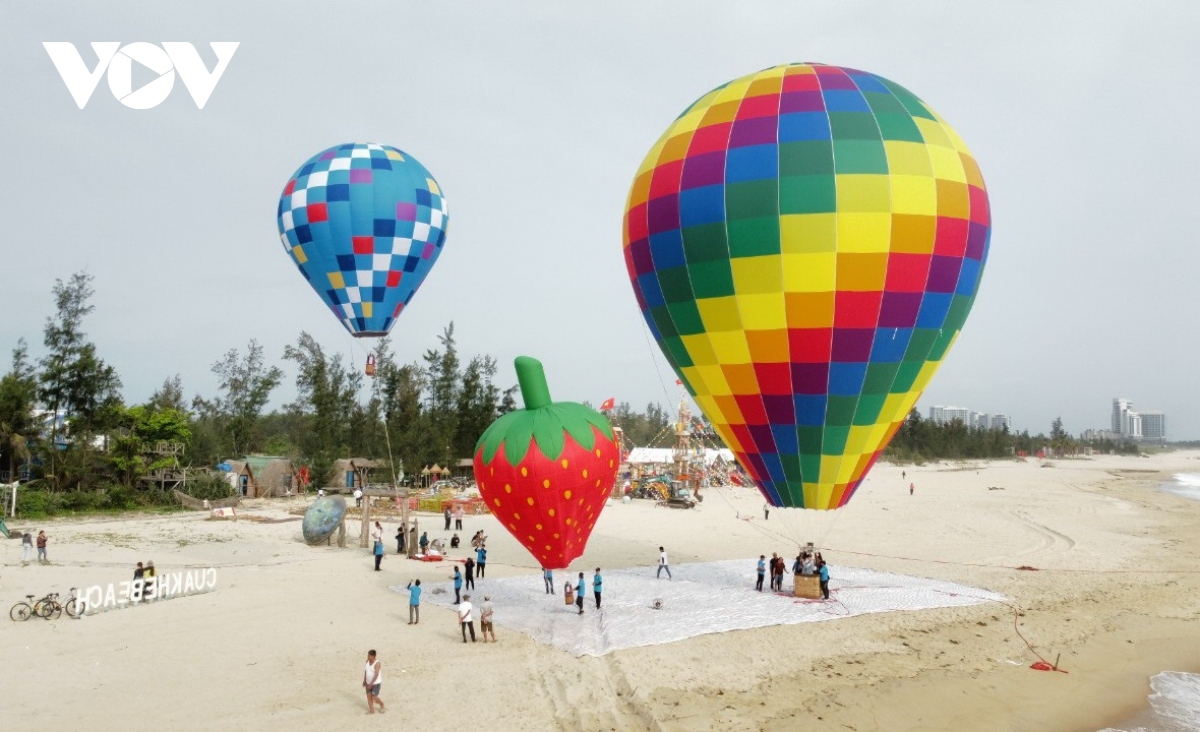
280, 644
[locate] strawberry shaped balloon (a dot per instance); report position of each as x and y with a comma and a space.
547, 470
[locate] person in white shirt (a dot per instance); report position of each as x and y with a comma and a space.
358, 496
372, 680
464, 618
662, 563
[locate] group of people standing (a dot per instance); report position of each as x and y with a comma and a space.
27, 547
805, 564
577, 591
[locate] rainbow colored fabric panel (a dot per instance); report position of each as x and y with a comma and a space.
364, 223
805, 244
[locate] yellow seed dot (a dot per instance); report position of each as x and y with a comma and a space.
567, 522
552, 513
496, 501
547, 549
567, 495
556, 536
513, 527
538, 527
546, 483
532, 539
597, 482
564, 462
597, 452
529, 500
524, 472
492, 472
482, 487
585, 473
610, 463
516, 515
507, 488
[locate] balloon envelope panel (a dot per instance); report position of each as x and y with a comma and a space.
364, 223
805, 244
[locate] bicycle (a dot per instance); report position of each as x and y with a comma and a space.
22, 610
52, 608
48, 607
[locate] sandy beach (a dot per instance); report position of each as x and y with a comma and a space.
1111, 573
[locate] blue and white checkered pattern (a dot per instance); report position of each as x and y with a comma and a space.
364, 223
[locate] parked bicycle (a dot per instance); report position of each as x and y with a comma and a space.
22, 610
48, 607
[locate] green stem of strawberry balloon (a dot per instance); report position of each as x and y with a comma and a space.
532, 380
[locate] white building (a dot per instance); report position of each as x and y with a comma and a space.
1154, 426
946, 415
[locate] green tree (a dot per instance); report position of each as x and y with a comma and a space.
18, 397
246, 386
326, 393
74, 381
443, 382
477, 407
132, 451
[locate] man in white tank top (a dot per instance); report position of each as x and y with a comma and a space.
372, 680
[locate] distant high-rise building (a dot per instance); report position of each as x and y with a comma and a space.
946, 415
1000, 421
1154, 426
1126, 422
1120, 408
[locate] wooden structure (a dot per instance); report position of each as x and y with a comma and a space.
400, 495
272, 475
807, 586
354, 473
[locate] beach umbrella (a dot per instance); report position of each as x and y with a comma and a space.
805, 244
364, 223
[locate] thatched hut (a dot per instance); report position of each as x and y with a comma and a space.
274, 476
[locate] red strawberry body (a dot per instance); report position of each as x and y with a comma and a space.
547, 471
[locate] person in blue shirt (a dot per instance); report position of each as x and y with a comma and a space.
579, 590
414, 602
480, 560
548, 576
457, 586
378, 552
762, 571
597, 586
823, 571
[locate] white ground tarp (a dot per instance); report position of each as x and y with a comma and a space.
711, 597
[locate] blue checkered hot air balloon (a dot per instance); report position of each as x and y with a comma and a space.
364, 223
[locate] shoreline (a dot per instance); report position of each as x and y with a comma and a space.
280, 639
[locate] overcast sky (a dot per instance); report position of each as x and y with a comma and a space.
534, 117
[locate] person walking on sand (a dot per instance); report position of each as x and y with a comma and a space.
762, 571
766, 511
372, 680
457, 586
662, 564
597, 586
470, 574
548, 577
579, 594
465, 620
458, 517
446, 515
485, 619
823, 571
378, 553
414, 602
26, 547
910, 489
41, 545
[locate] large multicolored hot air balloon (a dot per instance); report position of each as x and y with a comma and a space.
805, 244
364, 223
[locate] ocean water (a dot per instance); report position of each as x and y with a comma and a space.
1174, 706
1185, 484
